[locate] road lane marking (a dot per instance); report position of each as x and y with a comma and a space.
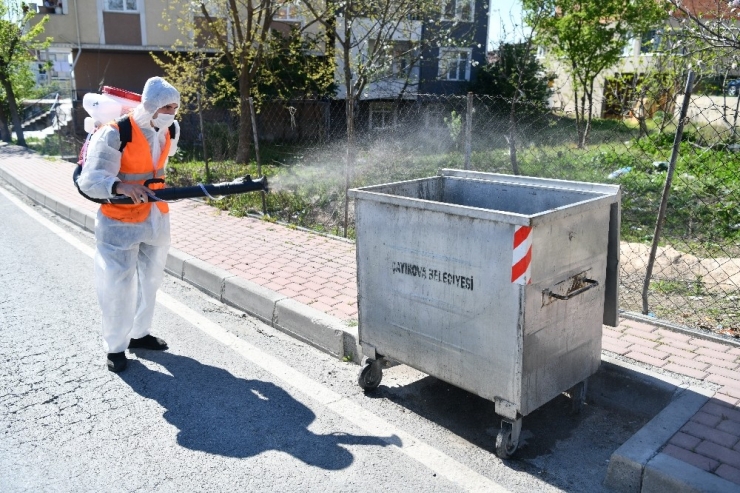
436, 460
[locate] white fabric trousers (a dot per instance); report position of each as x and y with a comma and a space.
129, 268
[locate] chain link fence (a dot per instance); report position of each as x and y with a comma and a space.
695, 278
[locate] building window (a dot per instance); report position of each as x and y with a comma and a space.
121, 5
53, 66
454, 63
458, 10
287, 12
48, 7
382, 115
650, 41
395, 60
629, 47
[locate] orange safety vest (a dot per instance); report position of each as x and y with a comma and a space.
137, 167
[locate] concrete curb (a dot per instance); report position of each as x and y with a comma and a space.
628, 464
296, 319
665, 473
681, 329
307, 324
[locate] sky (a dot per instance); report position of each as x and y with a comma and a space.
504, 22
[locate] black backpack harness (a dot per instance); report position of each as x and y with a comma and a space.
125, 130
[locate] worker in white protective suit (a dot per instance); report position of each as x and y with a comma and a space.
132, 240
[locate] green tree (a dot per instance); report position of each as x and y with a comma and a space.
454, 126
514, 73
225, 47
650, 88
290, 69
520, 84
589, 36
19, 38
518, 76
293, 67
24, 86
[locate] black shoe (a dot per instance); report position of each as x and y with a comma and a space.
117, 361
148, 342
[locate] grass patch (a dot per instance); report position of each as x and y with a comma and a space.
307, 184
680, 287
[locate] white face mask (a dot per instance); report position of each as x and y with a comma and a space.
163, 120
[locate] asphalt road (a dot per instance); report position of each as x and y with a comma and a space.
235, 405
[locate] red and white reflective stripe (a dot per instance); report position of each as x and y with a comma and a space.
520, 266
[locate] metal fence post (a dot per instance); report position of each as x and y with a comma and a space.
203, 137
257, 150
469, 131
667, 189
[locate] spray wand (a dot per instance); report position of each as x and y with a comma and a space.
240, 185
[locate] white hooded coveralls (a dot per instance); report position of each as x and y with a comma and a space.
129, 257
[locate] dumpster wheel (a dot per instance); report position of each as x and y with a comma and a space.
506, 443
371, 374
577, 395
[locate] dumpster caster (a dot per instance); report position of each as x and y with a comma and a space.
371, 374
578, 396
507, 439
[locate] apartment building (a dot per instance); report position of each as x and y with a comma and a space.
443, 67
110, 42
103, 42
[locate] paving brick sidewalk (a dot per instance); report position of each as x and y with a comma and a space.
312, 269
711, 439
320, 272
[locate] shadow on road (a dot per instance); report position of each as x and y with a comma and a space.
569, 451
219, 413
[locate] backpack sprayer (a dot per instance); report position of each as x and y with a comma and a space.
111, 105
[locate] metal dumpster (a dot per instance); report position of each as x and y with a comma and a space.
497, 284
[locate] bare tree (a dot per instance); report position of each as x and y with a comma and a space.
520, 72
379, 45
710, 41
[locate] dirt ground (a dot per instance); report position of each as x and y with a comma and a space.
702, 293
